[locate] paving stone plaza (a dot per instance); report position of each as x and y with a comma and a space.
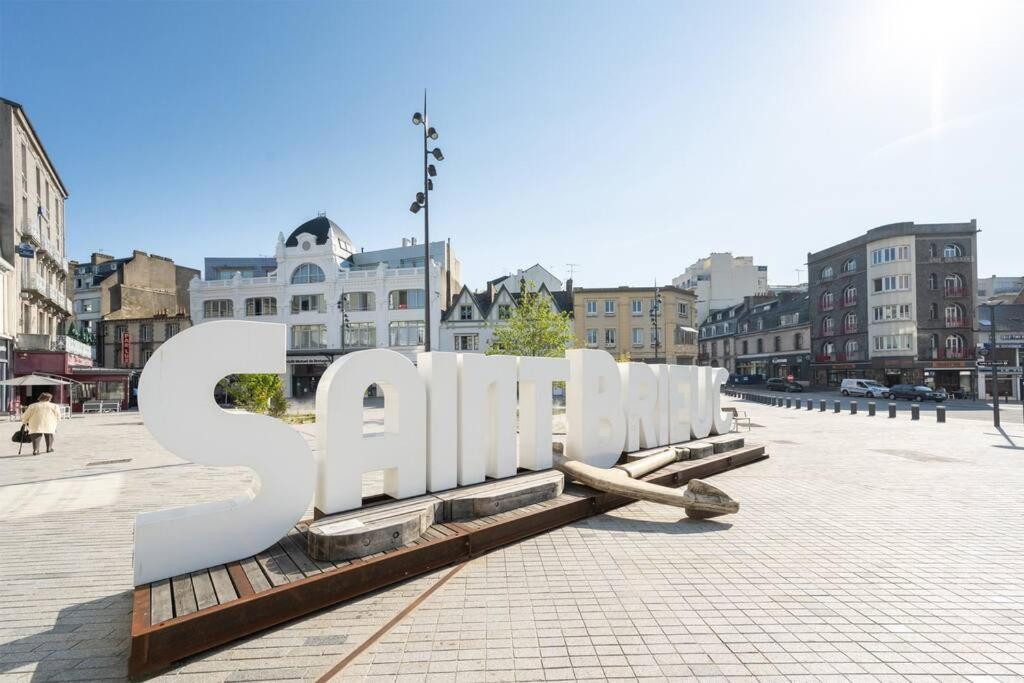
865, 549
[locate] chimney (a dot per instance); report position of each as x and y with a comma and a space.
413, 241
568, 285
405, 241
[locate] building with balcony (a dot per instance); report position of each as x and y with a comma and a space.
896, 305
619, 320
721, 280
114, 294
33, 267
773, 337
334, 298
468, 325
32, 197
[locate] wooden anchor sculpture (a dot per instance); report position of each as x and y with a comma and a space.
700, 500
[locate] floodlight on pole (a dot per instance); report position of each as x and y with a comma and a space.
423, 201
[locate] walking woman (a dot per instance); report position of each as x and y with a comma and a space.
42, 418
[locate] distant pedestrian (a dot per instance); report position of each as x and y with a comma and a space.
42, 418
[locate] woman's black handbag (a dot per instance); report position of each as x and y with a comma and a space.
21, 436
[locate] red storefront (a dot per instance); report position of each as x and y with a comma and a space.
90, 383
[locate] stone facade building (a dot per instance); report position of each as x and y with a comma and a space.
618, 320
333, 297
773, 338
896, 305
126, 295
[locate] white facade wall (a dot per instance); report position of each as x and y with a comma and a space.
721, 280
901, 267
380, 281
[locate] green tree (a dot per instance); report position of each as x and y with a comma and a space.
533, 329
258, 393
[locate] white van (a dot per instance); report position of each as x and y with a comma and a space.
863, 387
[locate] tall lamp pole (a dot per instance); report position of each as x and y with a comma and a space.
655, 312
423, 202
344, 321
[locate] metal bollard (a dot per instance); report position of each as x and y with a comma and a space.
915, 412
789, 403
853, 407
836, 407
822, 404
871, 408
892, 410
810, 404
940, 413
796, 403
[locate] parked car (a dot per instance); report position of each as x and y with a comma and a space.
745, 379
780, 384
863, 387
917, 393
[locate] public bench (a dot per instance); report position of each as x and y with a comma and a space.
738, 417
101, 407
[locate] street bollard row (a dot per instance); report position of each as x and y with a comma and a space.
788, 402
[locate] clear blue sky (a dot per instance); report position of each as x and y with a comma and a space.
630, 138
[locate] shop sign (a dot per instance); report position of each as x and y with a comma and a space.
450, 420
126, 349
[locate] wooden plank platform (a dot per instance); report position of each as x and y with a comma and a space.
188, 614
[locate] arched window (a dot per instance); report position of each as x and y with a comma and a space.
827, 301
933, 281
954, 285
955, 315
850, 296
827, 273
933, 312
306, 274
778, 343
828, 326
849, 323
955, 346
952, 250
798, 341
851, 347
850, 266
828, 351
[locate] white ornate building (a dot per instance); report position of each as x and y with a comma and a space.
320, 277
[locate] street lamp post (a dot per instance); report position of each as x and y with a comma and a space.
655, 312
344, 321
423, 202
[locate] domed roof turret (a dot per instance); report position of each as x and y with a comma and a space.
323, 229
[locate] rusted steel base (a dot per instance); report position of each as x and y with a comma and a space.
156, 646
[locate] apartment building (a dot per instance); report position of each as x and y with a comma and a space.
721, 280
33, 269
469, 323
123, 306
773, 338
647, 324
896, 305
333, 297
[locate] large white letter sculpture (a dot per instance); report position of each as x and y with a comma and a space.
700, 408
440, 373
346, 453
680, 380
536, 375
177, 405
595, 424
640, 404
722, 420
487, 417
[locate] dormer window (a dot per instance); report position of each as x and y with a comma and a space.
504, 312
307, 273
465, 312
